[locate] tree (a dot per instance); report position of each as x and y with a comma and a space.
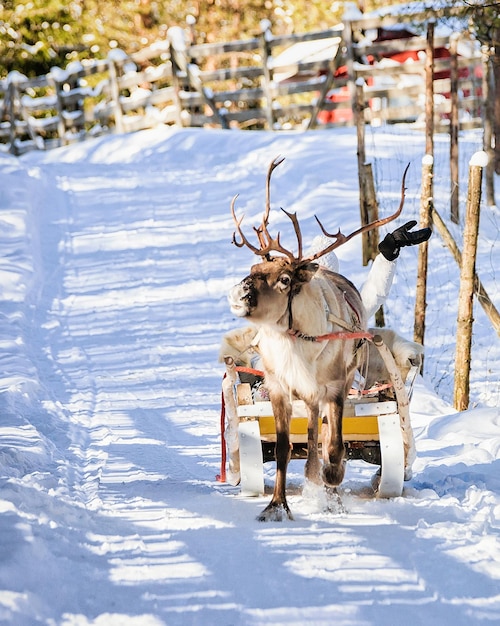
485, 24
36, 35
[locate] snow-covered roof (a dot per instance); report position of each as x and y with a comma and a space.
304, 52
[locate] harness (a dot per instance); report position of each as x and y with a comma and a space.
350, 331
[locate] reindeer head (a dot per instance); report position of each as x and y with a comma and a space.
265, 295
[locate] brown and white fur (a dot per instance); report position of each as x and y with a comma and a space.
279, 292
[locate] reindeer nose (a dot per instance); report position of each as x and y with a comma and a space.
248, 291
246, 285
242, 298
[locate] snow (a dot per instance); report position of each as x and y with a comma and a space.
479, 159
116, 262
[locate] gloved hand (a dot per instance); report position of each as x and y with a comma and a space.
393, 242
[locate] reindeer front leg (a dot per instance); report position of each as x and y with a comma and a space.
277, 510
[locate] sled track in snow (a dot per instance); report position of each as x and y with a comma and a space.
105, 313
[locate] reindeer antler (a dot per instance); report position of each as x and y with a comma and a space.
266, 242
244, 241
340, 238
262, 233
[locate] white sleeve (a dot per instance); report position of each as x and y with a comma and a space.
378, 284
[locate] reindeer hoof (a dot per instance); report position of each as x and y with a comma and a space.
275, 513
334, 502
312, 472
333, 473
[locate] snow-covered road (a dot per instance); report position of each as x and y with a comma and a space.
116, 261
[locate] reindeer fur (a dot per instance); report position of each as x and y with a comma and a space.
274, 295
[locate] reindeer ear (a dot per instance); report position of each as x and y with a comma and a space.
305, 272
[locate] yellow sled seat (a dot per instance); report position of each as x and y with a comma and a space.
360, 425
354, 427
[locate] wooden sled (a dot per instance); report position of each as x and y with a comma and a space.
376, 429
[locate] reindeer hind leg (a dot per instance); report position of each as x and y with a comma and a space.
312, 470
333, 445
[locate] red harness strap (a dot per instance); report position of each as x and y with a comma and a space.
343, 334
366, 392
249, 370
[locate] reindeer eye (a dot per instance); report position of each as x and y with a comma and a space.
285, 280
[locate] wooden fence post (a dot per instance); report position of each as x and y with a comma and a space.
367, 198
368, 205
454, 191
371, 210
11, 100
482, 295
488, 116
351, 74
56, 78
181, 65
373, 235
113, 58
14, 80
173, 35
467, 283
426, 202
429, 90
265, 37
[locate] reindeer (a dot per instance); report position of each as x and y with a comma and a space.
296, 303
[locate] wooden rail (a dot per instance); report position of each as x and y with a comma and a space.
269, 82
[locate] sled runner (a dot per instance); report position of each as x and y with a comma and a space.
376, 426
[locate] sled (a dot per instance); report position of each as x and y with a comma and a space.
376, 429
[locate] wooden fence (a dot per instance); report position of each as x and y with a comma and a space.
268, 82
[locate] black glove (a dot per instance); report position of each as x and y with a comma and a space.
392, 242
